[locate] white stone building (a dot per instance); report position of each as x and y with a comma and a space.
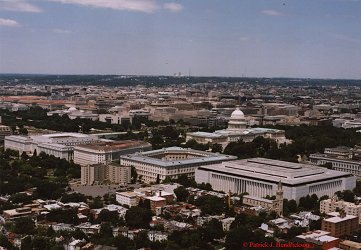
58, 144
237, 130
170, 162
259, 177
107, 151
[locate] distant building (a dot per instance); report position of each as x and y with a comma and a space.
259, 177
4, 131
237, 130
340, 158
59, 144
170, 162
98, 173
340, 224
74, 113
107, 151
331, 205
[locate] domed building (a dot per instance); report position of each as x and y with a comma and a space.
237, 120
237, 130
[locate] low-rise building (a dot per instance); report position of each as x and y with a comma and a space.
350, 245
127, 198
319, 238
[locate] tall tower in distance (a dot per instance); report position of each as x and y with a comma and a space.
278, 205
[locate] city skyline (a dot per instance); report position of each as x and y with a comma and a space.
316, 39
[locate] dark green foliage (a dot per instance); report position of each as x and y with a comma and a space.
24, 225
217, 148
309, 202
96, 203
181, 193
73, 197
213, 230
210, 205
193, 144
141, 240
63, 216
4, 242
134, 174
138, 217
22, 198
346, 195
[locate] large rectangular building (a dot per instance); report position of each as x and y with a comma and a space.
100, 173
58, 144
107, 151
171, 162
259, 177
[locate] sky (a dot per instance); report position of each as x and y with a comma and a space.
250, 38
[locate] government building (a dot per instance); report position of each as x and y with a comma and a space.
59, 144
260, 177
157, 165
107, 151
237, 130
340, 158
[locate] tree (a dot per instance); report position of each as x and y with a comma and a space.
141, 240
73, 197
109, 216
181, 193
217, 148
97, 203
106, 230
211, 205
134, 174
23, 131
213, 230
138, 217
4, 242
24, 225
24, 156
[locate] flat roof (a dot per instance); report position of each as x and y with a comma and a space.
203, 157
337, 219
269, 170
113, 145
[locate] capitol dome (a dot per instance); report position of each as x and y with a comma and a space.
237, 114
237, 120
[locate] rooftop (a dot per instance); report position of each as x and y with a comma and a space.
114, 145
198, 157
274, 171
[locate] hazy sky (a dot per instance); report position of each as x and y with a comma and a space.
271, 38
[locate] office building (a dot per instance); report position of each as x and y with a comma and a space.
259, 177
157, 165
99, 173
107, 151
59, 144
340, 158
332, 205
340, 225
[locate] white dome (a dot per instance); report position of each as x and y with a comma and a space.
237, 114
72, 109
